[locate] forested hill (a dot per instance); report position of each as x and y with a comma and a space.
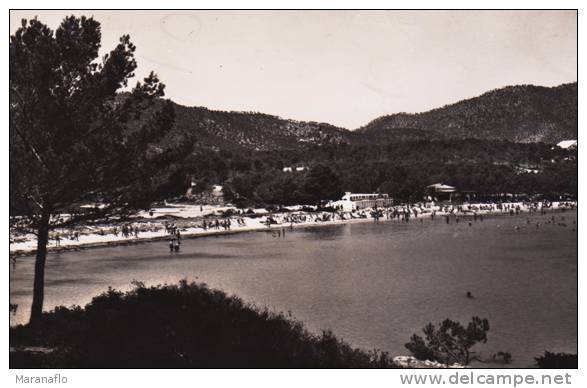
254, 131
524, 113
486, 144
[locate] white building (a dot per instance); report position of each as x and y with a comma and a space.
441, 192
568, 144
353, 201
296, 169
217, 191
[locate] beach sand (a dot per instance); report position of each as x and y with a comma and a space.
188, 219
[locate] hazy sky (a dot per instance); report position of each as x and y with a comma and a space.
341, 67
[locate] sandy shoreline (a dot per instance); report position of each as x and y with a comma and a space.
95, 240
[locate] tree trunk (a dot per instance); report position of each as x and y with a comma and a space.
39, 283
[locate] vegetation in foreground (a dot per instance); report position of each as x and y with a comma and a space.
450, 342
180, 326
73, 139
550, 360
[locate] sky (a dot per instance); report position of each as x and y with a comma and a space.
341, 67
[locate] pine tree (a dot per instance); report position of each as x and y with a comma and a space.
78, 134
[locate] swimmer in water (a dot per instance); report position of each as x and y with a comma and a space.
469, 295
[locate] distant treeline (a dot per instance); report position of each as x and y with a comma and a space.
401, 169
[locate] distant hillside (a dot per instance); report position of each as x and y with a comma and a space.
254, 131
483, 144
523, 113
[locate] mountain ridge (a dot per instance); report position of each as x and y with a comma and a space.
520, 113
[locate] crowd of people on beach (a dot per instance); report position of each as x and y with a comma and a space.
224, 223
216, 224
127, 231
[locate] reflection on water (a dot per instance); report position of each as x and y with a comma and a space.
373, 284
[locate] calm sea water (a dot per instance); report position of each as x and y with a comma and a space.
374, 285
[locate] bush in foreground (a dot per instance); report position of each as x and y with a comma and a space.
450, 342
181, 326
557, 360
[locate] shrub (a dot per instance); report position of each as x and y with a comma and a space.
557, 360
182, 326
451, 342
272, 208
502, 357
228, 213
243, 202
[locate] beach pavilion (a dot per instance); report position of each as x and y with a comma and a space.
441, 191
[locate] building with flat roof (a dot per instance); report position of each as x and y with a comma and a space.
568, 144
353, 201
441, 192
